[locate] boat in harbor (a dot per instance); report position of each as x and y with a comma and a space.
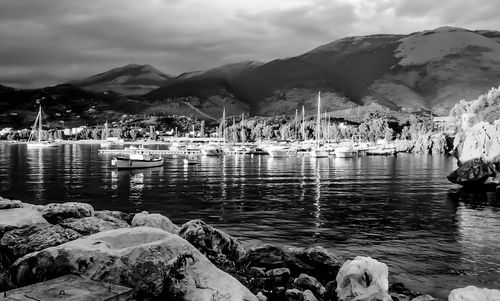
382, 151
35, 140
281, 150
318, 151
211, 150
345, 152
138, 159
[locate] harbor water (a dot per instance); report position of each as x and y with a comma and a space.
400, 209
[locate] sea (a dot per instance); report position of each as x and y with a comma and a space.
400, 210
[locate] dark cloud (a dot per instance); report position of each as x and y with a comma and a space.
52, 41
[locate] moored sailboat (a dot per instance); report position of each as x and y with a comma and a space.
35, 140
317, 151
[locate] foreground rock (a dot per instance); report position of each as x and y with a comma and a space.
218, 246
56, 212
473, 173
93, 224
151, 261
19, 242
9, 204
363, 278
155, 220
18, 218
472, 293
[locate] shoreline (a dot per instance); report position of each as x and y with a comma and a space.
270, 270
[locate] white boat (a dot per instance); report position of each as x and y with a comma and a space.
281, 151
212, 150
345, 152
37, 128
318, 151
140, 159
382, 151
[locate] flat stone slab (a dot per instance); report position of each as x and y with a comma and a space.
69, 288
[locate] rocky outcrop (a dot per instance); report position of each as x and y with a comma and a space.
436, 143
480, 141
155, 220
151, 261
56, 212
473, 173
472, 293
363, 278
218, 246
478, 154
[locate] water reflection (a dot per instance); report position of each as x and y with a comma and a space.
401, 210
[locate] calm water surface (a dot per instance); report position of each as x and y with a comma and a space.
400, 210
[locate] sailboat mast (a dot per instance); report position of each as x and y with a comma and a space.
318, 124
303, 125
40, 124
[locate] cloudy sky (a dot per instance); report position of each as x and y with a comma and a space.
45, 42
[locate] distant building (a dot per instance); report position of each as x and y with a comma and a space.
444, 124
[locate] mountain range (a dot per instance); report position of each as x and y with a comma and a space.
427, 70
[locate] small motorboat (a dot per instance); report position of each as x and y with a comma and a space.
191, 160
212, 150
137, 160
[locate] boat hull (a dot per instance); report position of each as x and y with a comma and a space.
346, 154
320, 153
126, 163
37, 145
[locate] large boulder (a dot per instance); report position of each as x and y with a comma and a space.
315, 261
19, 242
306, 282
472, 293
9, 204
155, 220
480, 141
217, 245
473, 172
124, 216
363, 279
150, 260
92, 224
19, 218
56, 212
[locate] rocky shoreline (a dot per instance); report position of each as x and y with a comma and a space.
162, 261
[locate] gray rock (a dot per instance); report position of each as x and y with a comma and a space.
103, 214
257, 272
261, 296
155, 220
294, 295
424, 298
308, 296
399, 297
279, 272
56, 212
93, 224
217, 245
19, 242
473, 172
306, 282
9, 204
18, 218
151, 261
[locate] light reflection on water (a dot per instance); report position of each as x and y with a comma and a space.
400, 210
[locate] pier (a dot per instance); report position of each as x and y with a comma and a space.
151, 151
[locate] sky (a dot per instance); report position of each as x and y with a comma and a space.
47, 42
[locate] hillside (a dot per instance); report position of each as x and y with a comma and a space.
127, 80
62, 103
428, 70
